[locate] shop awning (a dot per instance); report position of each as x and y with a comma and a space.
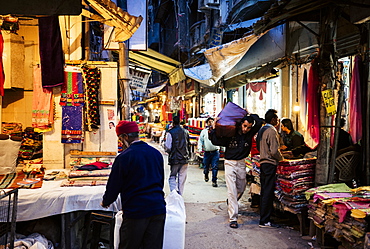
222, 59
124, 23
160, 63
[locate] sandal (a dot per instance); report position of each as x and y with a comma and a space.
234, 224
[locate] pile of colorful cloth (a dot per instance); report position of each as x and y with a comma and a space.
88, 172
294, 177
341, 212
194, 133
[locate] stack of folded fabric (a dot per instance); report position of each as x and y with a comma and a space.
294, 177
91, 174
341, 212
194, 133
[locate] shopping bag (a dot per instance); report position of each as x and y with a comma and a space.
117, 226
228, 117
174, 228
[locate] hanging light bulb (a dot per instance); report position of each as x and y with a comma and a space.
296, 108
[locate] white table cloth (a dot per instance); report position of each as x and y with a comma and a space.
51, 199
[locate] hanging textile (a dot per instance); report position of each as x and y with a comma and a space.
51, 52
303, 101
42, 104
72, 90
313, 122
71, 124
92, 84
2, 76
355, 117
257, 87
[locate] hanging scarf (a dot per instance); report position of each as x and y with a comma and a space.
355, 117
303, 101
92, 84
51, 52
72, 124
72, 90
313, 122
42, 104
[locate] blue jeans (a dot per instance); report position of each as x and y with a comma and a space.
210, 159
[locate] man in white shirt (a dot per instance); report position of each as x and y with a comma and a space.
211, 153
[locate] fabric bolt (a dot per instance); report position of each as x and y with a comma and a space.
355, 116
94, 166
71, 124
81, 183
235, 176
80, 173
51, 52
73, 90
92, 85
42, 104
178, 177
2, 75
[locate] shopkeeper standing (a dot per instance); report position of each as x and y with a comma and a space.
138, 176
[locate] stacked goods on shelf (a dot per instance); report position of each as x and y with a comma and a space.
253, 170
88, 171
11, 128
31, 147
142, 130
294, 177
341, 212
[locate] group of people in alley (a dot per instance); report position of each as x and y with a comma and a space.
138, 172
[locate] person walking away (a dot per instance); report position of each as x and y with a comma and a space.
268, 145
177, 146
138, 176
211, 153
237, 149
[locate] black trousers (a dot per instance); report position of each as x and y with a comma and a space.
268, 179
144, 233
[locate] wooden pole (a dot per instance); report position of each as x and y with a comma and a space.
327, 67
124, 77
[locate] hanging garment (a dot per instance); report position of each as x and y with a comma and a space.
2, 76
72, 90
303, 101
51, 52
355, 117
91, 78
42, 104
72, 124
313, 122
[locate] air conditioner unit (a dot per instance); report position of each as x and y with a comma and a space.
208, 4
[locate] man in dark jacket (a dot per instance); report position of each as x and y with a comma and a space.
237, 149
177, 146
138, 176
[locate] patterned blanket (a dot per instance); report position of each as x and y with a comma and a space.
10, 181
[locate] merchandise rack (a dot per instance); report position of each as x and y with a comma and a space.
8, 214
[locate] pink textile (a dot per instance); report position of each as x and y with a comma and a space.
313, 122
42, 108
355, 117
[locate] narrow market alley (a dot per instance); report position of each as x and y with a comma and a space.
207, 223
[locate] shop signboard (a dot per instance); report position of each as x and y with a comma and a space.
329, 102
139, 78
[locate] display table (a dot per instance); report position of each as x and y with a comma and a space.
51, 199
